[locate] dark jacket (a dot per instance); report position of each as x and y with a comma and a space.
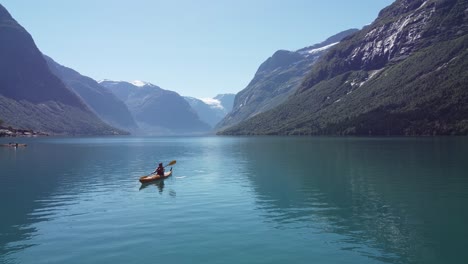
160, 171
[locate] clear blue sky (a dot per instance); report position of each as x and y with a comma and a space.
195, 47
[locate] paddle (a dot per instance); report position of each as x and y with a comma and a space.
171, 163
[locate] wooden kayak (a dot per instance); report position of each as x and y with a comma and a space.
154, 177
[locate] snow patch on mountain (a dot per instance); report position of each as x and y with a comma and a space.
313, 51
214, 103
109, 81
136, 83
139, 83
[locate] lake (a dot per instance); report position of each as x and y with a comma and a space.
235, 200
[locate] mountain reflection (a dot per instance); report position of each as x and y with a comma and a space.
400, 200
390, 195
49, 176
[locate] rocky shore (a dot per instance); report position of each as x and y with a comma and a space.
12, 132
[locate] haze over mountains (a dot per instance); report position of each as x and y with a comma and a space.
405, 74
38, 93
31, 96
98, 98
212, 110
156, 110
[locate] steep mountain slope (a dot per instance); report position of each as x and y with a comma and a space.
212, 110
31, 97
157, 111
98, 98
276, 79
405, 74
226, 101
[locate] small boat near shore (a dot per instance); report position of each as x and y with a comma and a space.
13, 145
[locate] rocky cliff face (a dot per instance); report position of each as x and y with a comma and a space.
157, 111
399, 30
405, 74
31, 96
392, 41
276, 79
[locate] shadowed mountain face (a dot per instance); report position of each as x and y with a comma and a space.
31, 96
157, 111
212, 110
98, 98
226, 100
405, 74
276, 79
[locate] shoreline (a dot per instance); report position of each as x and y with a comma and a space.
13, 132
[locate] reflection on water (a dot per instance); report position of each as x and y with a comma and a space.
405, 198
158, 184
248, 200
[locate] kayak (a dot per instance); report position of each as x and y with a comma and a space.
154, 177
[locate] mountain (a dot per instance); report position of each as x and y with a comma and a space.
276, 79
98, 98
212, 110
31, 96
226, 101
157, 111
405, 74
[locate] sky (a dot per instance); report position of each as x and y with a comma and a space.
198, 48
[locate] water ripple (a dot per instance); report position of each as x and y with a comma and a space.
252, 200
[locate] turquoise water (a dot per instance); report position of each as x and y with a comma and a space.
235, 200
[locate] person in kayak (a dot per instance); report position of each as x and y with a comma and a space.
160, 170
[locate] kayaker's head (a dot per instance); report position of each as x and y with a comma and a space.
160, 164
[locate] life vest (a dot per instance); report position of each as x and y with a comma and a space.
160, 171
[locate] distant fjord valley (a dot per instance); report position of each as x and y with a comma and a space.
39, 94
403, 74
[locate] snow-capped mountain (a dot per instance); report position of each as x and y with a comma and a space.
102, 101
139, 83
157, 111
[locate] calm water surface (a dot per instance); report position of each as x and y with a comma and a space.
235, 200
